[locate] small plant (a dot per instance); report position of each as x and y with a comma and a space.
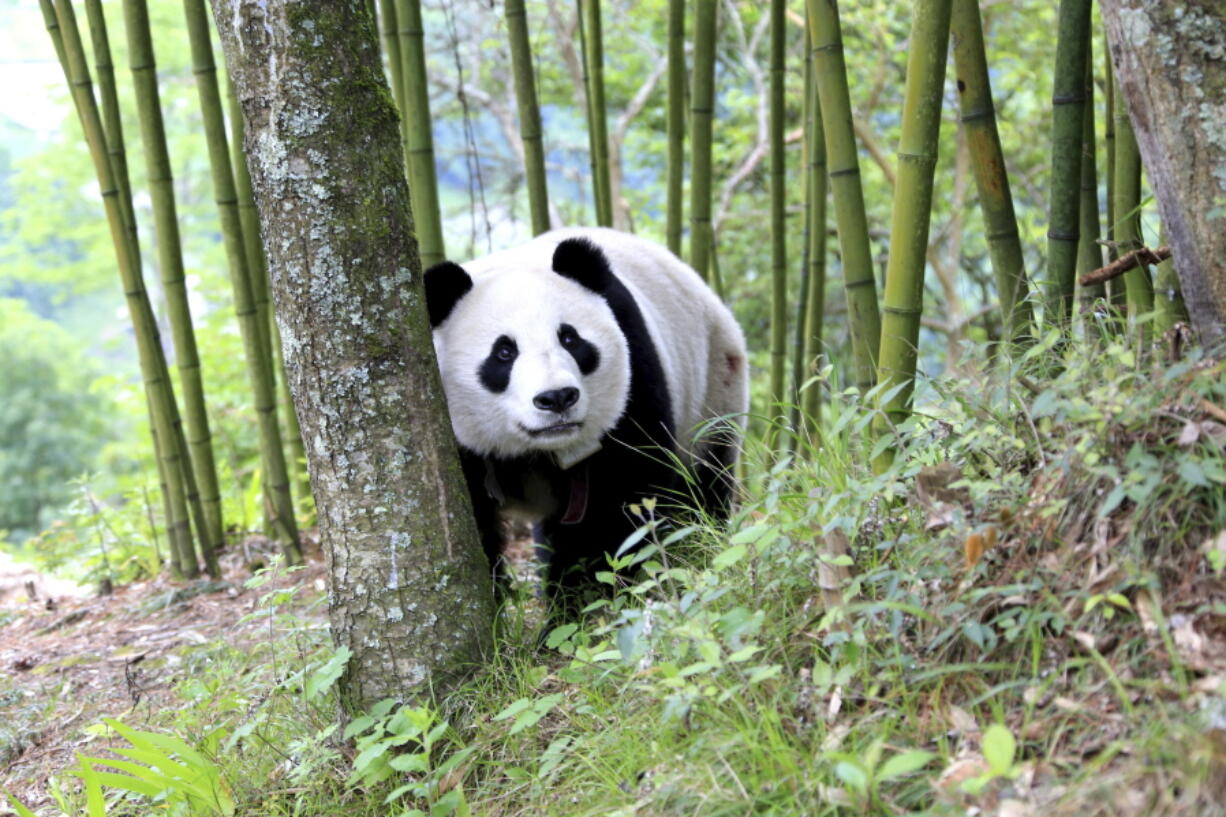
999, 749
861, 775
402, 740
162, 768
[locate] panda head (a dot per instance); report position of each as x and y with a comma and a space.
532, 357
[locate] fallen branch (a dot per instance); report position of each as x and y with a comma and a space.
1121, 265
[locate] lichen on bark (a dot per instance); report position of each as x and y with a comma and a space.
1170, 64
410, 592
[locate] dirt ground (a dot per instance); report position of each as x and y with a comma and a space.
67, 661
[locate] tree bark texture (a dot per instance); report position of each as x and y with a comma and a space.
410, 591
1170, 66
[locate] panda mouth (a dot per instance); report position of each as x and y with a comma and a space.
556, 430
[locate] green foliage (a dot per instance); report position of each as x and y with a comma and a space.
394, 739
52, 425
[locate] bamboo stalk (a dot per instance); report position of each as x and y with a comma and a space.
389, 31
1168, 297
174, 287
592, 35
864, 320
778, 202
278, 501
815, 230
419, 140
1115, 290
978, 117
917, 157
529, 115
1068, 112
702, 107
112, 124
154, 374
676, 123
1089, 252
1138, 286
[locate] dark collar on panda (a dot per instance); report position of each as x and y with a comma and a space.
577, 483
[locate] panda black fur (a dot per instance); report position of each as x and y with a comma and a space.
579, 369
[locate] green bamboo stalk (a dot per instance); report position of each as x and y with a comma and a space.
676, 123
1115, 287
1068, 111
864, 321
917, 157
1138, 286
278, 501
112, 124
778, 202
257, 264
1168, 298
249, 219
978, 117
592, 39
702, 107
799, 365
156, 378
529, 115
419, 140
390, 33
1089, 252
170, 261
815, 257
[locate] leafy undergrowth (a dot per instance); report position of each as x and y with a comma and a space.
1025, 615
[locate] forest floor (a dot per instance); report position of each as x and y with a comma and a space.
67, 661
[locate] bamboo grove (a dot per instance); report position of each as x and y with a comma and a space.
882, 307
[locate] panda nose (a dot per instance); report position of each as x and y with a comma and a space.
557, 400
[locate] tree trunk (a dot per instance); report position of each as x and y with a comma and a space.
1169, 68
410, 588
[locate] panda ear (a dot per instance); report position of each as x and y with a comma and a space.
582, 261
446, 284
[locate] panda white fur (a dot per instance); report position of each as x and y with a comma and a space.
579, 369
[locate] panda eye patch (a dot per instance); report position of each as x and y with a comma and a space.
505, 349
495, 371
583, 351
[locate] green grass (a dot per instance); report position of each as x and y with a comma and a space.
1073, 668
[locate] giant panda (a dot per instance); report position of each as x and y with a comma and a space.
585, 371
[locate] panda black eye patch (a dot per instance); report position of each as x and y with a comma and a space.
495, 371
584, 353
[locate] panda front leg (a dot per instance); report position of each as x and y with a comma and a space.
489, 521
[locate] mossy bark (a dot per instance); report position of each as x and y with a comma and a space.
1170, 71
410, 587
